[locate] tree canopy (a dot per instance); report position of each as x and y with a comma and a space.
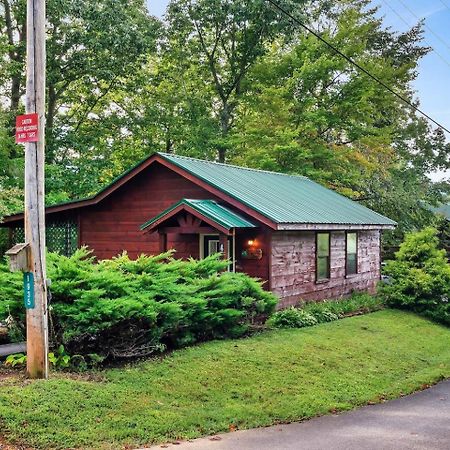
230, 81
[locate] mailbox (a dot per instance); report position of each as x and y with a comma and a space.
18, 258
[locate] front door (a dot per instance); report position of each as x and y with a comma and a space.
210, 244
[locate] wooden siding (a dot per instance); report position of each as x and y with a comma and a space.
258, 268
294, 262
112, 226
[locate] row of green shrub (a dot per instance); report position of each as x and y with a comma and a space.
312, 313
129, 308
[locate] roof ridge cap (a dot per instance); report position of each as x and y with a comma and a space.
171, 155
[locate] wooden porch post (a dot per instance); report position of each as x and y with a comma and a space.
162, 242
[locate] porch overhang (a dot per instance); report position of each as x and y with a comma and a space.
210, 212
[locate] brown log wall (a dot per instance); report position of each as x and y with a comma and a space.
293, 267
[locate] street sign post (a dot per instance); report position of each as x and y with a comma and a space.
34, 138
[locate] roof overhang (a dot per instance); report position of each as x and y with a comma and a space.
208, 211
332, 226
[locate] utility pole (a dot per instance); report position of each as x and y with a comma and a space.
37, 328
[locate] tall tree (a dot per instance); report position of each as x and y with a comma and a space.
94, 47
306, 110
225, 38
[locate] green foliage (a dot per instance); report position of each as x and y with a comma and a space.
357, 303
292, 318
219, 80
59, 359
128, 308
312, 313
225, 40
419, 277
11, 293
17, 359
281, 376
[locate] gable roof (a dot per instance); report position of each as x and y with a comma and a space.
282, 199
208, 209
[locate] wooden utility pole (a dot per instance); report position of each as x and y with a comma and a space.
37, 330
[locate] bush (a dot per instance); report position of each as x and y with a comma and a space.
128, 308
312, 313
291, 318
358, 302
419, 277
321, 312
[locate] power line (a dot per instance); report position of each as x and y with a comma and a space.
426, 26
407, 24
354, 63
448, 7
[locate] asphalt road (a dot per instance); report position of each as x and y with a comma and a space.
418, 421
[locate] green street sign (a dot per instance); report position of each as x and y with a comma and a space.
28, 290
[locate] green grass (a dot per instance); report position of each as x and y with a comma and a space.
277, 376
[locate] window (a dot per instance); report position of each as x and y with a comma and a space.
351, 253
322, 256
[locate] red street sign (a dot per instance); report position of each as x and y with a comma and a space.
27, 128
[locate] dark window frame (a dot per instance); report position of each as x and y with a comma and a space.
323, 280
347, 273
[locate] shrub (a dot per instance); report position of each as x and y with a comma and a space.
17, 359
358, 302
291, 318
129, 308
321, 312
312, 313
419, 277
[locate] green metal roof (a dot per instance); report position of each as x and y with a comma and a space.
210, 209
280, 197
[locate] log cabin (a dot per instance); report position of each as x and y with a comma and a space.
306, 242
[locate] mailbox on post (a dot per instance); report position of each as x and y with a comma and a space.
18, 258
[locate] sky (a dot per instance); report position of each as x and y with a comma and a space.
432, 84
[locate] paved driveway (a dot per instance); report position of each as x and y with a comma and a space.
418, 421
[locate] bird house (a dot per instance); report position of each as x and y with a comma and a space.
18, 257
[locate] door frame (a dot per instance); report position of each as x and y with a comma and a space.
232, 242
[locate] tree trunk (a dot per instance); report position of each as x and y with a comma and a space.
225, 123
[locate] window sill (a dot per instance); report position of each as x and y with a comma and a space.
352, 275
324, 281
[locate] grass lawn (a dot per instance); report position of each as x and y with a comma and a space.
273, 377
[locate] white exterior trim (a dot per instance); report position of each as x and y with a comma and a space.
331, 226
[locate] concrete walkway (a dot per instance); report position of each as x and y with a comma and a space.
418, 421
